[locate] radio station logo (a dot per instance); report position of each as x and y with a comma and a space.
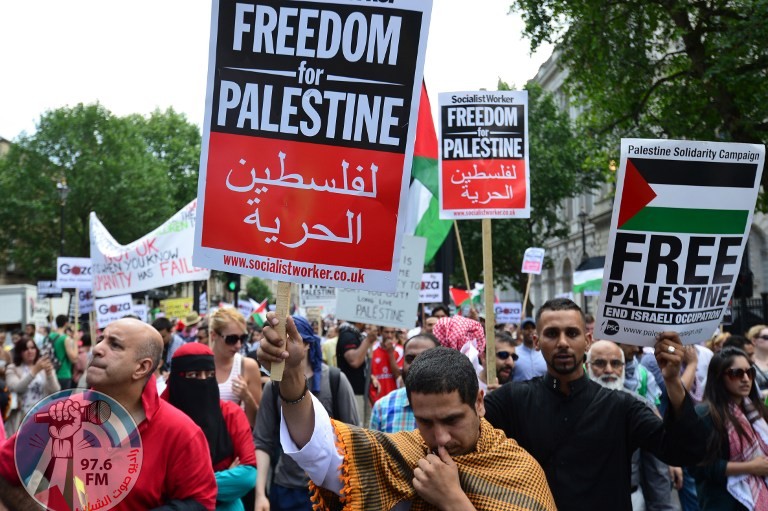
78, 450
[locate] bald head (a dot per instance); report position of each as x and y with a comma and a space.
150, 342
605, 349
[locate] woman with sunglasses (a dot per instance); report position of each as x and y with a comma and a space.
759, 338
238, 377
31, 377
734, 477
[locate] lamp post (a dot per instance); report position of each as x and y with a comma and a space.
583, 220
63, 190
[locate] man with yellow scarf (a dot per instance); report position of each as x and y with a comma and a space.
455, 461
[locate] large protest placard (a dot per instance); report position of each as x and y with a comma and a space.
508, 312
48, 289
431, 288
112, 308
74, 273
533, 260
308, 138
681, 220
161, 258
83, 303
398, 309
484, 155
177, 307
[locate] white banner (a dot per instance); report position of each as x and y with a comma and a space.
396, 309
48, 289
73, 273
112, 308
508, 312
431, 288
318, 296
141, 311
85, 305
161, 258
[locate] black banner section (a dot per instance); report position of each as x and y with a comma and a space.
320, 73
696, 173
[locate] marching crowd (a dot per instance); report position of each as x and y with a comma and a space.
379, 418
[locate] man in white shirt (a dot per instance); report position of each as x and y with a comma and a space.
377, 471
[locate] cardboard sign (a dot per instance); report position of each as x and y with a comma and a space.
112, 308
508, 312
533, 260
161, 258
681, 220
310, 121
396, 309
484, 155
318, 296
74, 273
177, 307
431, 288
48, 289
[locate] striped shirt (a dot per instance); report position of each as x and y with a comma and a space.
393, 413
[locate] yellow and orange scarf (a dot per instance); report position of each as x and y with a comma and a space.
377, 473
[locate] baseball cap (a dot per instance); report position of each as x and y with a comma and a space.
528, 321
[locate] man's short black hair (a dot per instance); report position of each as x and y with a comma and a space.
423, 335
440, 307
161, 324
442, 370
560, 304
61, 320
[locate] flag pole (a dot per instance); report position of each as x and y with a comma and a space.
461, 255
490, 315
281, 310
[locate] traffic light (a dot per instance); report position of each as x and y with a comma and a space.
233, 283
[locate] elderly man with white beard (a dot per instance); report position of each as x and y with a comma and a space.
651, 478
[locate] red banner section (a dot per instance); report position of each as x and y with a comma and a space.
484, 184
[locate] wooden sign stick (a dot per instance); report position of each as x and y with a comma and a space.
281, 310
490, 313
525, 300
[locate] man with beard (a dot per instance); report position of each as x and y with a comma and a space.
393, 412
651, 478
582, 434
505, 362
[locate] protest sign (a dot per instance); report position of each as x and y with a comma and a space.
681, 220
48, 289
73, 273
142, 311
508, 312
112, 308
396, 309
431, 288
308, 139
484, 155
161, 258
533, 260
323, 297
177, 307
84, 302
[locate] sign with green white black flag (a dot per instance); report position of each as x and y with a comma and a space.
681, 220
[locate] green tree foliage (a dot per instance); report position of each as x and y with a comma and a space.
134, 172
661, 68
256, 289
557, 172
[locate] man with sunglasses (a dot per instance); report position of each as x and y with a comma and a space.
505, 362
582, 434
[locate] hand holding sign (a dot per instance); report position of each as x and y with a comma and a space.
669, 353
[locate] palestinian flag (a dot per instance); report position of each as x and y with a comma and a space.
423, 216
695, 197
588, 277
260, 312
462, 297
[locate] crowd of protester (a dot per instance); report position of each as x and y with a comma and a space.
601, 425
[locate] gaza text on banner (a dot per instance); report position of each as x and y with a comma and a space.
398, 309
74, 273
84, 302
680, 223
112, 308
308, 139
484, 155
508, 312
431, 288
161, 258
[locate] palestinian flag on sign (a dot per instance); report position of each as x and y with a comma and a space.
714, 195
423, 216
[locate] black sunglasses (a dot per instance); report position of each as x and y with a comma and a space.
233, 338
738, 374
505, 355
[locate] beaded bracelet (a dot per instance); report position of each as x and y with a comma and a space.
294, 401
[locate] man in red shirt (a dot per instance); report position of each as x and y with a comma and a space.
176, 472
386, 364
